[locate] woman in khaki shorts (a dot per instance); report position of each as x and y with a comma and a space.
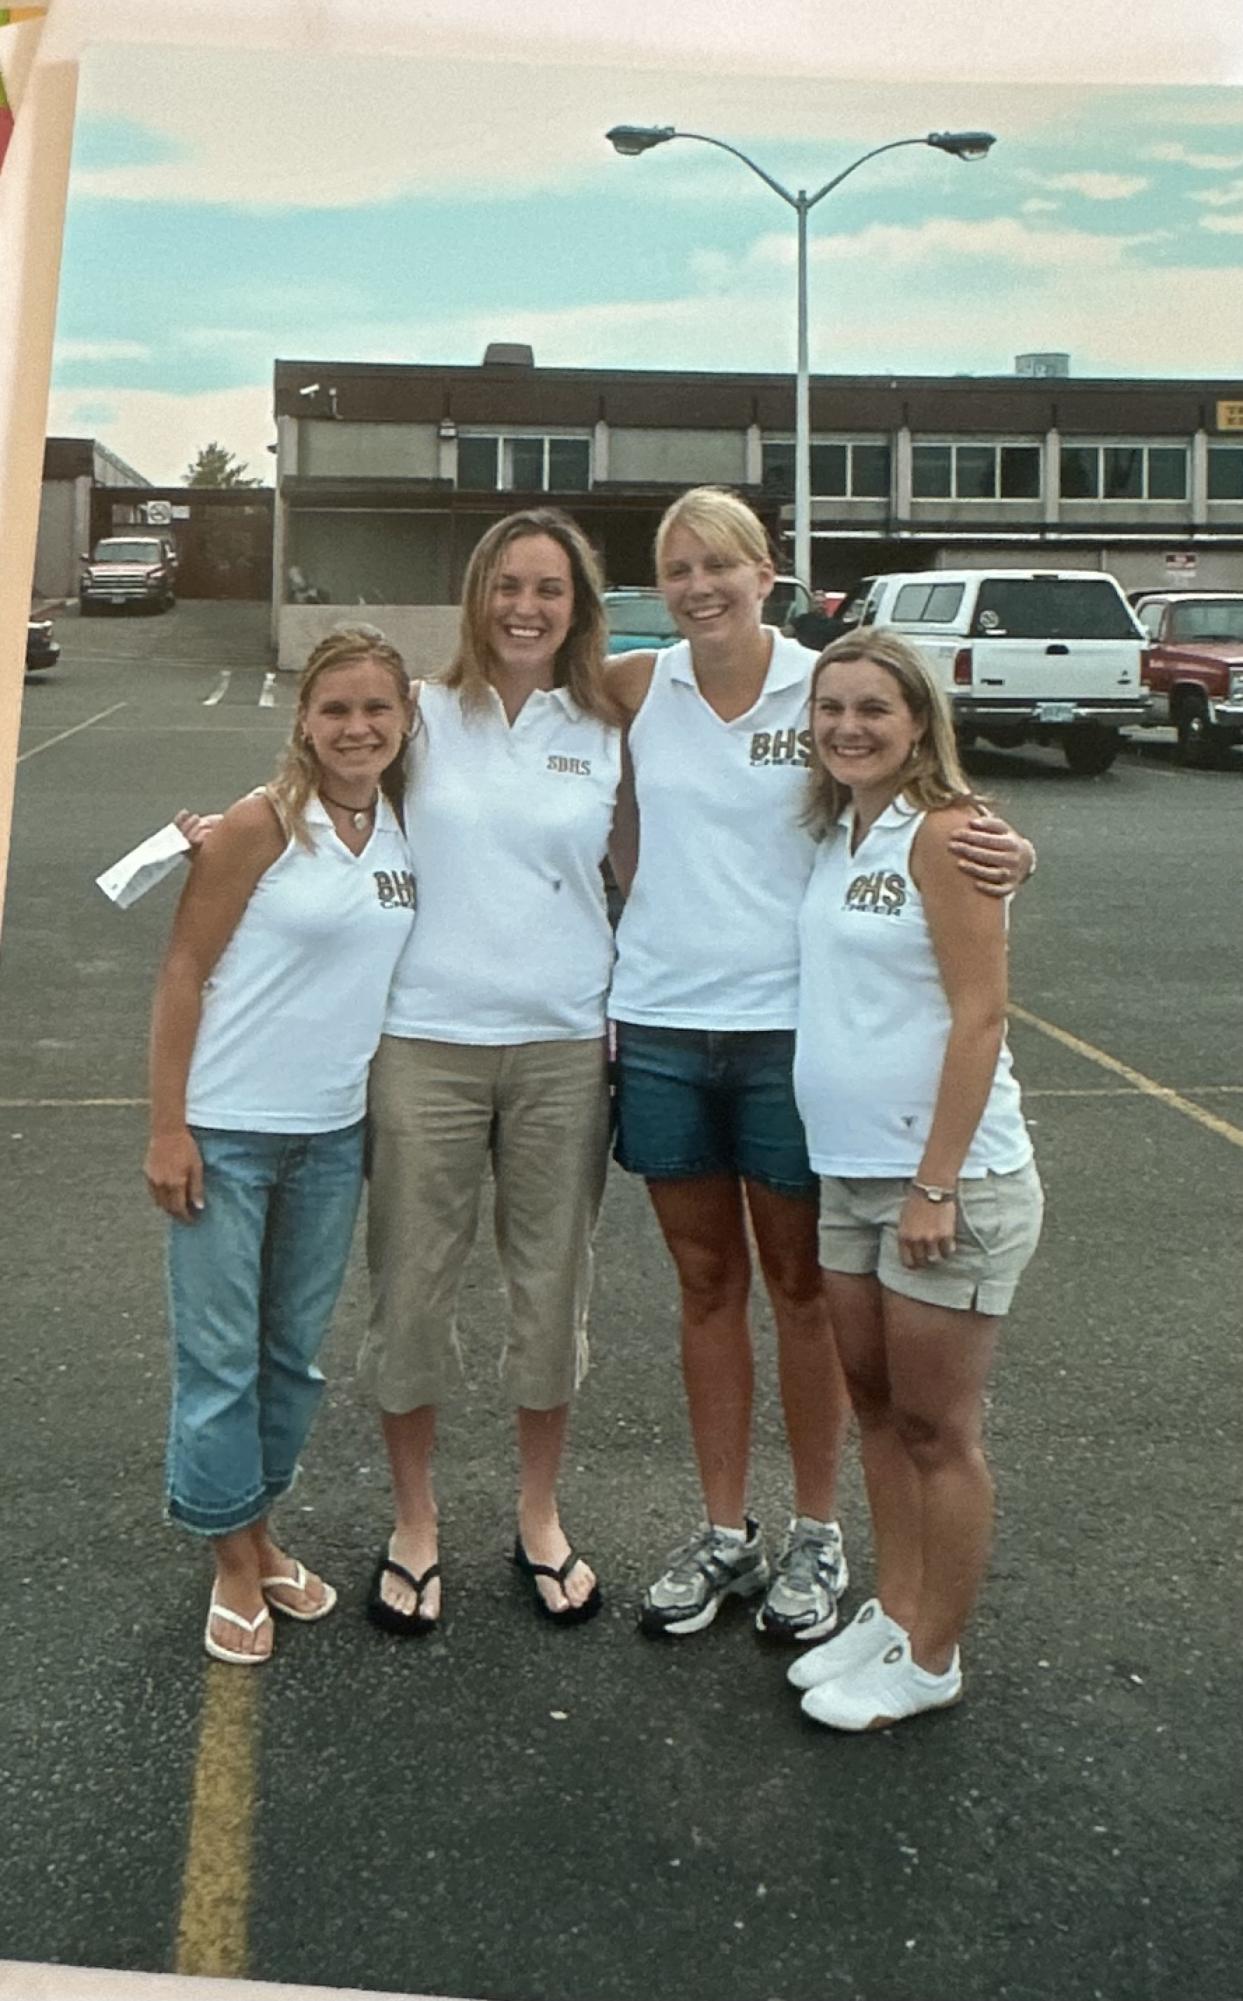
492, 1064
930, 1202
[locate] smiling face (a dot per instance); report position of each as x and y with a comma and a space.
353, 720
862, 726
530, 607
714, 594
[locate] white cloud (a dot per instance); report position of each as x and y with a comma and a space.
1179, 155
159, 433
943, 243
1223, 223
1037, 205
1093, 186
1225, 197
102, 350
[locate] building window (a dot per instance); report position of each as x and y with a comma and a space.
1124, 472
524, 463
975, 472
1225, 472
838, 471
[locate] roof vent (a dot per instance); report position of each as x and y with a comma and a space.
508, 354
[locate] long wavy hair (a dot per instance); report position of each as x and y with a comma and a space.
297, 776
932, 775
579, 666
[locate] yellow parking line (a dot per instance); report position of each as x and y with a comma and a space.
1136, 1078
213, 1929
36, 748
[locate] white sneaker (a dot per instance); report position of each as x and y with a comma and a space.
885, 1689
869, 1633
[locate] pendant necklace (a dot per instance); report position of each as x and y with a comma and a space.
359, 815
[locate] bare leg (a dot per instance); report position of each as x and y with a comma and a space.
813, 1391
894, 1495
939, 1359
237, 1587
702, 1222
541, 1436
410, 1438
275, 1562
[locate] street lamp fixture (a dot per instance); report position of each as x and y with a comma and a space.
631, 140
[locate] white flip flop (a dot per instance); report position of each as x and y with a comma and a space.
231, 1654
298, 1582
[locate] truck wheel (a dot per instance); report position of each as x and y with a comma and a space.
1199, 744
1089, 749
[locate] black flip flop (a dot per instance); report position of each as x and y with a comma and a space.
569, 1615
408, 1625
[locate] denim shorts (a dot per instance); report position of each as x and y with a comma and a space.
997, 1229
693, 1101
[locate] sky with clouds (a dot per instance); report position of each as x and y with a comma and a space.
226, 209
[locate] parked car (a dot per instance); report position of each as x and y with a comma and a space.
1195, 668
638, 619
787, 601
42, 650
128, 570
1026, 656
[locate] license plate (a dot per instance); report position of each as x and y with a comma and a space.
1055, 712
117, 597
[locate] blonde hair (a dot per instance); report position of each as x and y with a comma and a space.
933, 775
297, 776
721, 519
579, 665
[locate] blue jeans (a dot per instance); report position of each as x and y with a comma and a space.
251, 1286
695, 1101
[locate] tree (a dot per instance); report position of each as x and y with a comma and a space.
214, 466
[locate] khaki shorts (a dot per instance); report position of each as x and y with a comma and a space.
998, 1227
442, 1114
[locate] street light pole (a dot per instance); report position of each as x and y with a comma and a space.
631, 140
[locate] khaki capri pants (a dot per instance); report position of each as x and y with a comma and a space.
440, 1111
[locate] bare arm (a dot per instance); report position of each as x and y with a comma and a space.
996, 858
969, 939
245, 843
627, 676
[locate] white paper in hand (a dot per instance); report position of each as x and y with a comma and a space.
143, 866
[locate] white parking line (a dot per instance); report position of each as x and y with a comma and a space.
267, 694
220, 690
36, 748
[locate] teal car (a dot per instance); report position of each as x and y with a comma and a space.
638, 621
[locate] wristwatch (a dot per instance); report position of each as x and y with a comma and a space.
933, 1194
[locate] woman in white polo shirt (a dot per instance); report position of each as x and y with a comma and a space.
494, 1051
705, 996
930, 1203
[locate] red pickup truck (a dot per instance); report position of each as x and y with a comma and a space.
1194, 670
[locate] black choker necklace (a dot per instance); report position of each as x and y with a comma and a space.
359, 815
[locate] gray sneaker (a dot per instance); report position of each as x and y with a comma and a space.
808, 1578
700, 1575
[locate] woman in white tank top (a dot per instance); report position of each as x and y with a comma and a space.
930, 1204
267, 1013
705, 998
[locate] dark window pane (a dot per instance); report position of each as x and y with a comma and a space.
975, 472
930, 472
569, 465
1020, 472
1167, 472
828, 470
869, 472
943, 602
476, 462
1051, 608
526, 465
1123, 472
1080, 472
1225, 472
777, 466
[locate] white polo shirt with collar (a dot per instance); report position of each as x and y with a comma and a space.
709, 935
507, 826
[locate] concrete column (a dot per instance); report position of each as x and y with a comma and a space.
903, 462
1051, 476
599, 452
446, 453
1199, 478
286, 464
753, 472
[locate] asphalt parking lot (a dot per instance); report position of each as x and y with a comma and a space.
524, 1814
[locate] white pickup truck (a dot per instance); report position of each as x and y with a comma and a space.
1027, 656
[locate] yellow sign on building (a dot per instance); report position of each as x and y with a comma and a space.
1230, 416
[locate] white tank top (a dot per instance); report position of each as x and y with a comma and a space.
873, 1018
293, 1009
709, 935
508, 826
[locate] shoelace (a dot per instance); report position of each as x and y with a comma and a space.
806, 1559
